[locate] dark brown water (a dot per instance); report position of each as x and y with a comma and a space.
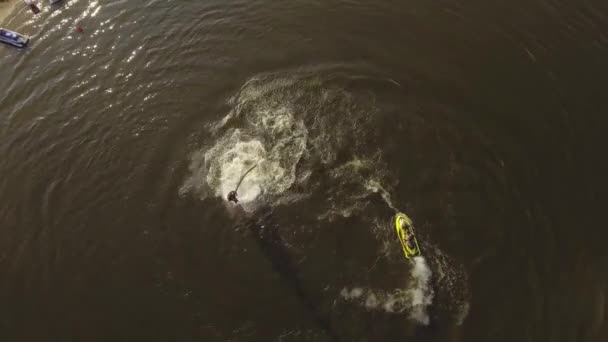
482, 120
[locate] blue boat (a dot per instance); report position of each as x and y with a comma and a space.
13, 38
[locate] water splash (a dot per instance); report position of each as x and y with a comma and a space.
354, 181
271, 136
375, 187
286, 119
414, 299
421, 291
229, 160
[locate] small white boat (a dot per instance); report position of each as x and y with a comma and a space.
13, 38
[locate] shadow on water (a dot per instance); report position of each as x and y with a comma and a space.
268, 238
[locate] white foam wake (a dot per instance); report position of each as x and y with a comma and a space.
421, 292
270, 136
414, 299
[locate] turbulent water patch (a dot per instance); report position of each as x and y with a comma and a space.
270, 136
415, 298
299, 126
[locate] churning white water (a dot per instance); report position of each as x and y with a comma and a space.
414, 299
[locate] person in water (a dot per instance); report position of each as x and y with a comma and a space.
410, 240
232, 196
32, 5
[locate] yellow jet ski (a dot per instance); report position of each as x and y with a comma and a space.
405, 232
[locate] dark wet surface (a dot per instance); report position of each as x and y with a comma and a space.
482, 120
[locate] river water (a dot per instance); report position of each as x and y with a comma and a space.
482, 120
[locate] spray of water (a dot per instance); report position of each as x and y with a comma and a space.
374, 186
271, 136
311, 117
415, 298
421, 292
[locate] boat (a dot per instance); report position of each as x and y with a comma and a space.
405, 232
13, 38
54, 1
32, 5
